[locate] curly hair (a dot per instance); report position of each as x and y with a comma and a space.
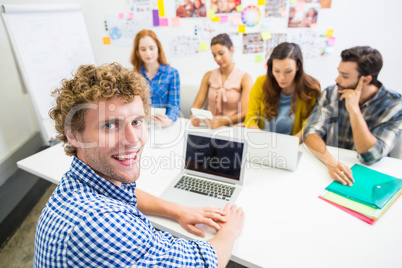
91, 84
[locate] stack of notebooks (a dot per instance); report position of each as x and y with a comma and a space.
370, 196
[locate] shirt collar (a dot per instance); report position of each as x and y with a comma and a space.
162, 69
87, 176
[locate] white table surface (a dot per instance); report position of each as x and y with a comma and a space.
286, 224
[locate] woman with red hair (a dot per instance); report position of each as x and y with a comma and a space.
149, 59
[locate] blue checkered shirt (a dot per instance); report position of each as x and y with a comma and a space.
383, 115
90, 222
165, 90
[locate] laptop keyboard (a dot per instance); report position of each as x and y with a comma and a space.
204, 187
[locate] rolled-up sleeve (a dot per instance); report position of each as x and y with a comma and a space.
387, 135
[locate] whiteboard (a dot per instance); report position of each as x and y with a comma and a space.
49, 43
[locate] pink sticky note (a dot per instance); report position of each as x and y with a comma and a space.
163, 22
300, 5
236, 20
176, 21
283, 13
224, 19
130, 15
121, 15
331, 41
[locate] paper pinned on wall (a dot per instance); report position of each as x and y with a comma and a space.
106, 40
121, 15
224, 19
266, 35
130, 15
176, 21
331, 41
292, 2
236, 20
155, 15
164, 22
210, 14
329, 33
161, 8
215, 19
203, 46
242, 29
300, 6
258, 58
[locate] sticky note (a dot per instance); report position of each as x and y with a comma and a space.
155, 15
106, 40
331, 41
211, 13
164, 22
224, 19
258, 58
266, 35
236, 20
121, 15
261, 2
242, 28
284, 13
265, 65
329, 33
215, 19
176, 21
130, 15
161, 8
203, 46
239, 8
292, 2
300, 5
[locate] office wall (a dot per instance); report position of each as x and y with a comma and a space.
358, 22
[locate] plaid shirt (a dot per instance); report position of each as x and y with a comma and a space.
165, 90
383, 115
90, 222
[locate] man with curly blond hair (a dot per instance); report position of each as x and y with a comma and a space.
95, 216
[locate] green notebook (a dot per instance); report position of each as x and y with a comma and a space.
371, 187
373, 213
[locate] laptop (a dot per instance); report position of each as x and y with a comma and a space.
213, 170
267, 148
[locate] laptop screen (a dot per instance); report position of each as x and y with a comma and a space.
215, 156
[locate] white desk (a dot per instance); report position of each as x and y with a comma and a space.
286, 224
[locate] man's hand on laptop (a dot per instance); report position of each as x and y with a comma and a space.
188, 217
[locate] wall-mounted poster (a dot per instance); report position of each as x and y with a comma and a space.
225, 6
302, 18
275, 40
273, 8
252, 43
191, 8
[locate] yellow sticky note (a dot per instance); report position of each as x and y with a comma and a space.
215, 19
292, 2
211, 13
258, 58
239, 8
203, 46
242, 28
266, 35
161, 8
106, 40
330, 33
261, 2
